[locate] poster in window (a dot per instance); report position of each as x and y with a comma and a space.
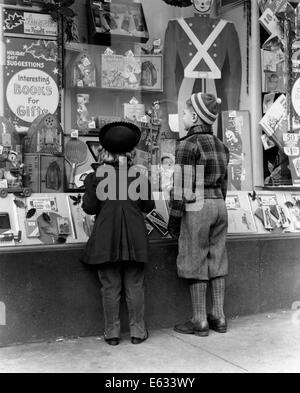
240, 216
236, 136
152, 73
270, 212
30, 76
132, 72
31, 23
293, 204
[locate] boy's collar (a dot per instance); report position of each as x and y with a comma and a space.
198, 129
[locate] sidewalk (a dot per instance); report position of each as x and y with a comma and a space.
260, 343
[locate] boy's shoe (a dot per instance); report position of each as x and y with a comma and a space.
219, 325
113, 341
136, 340
199, 329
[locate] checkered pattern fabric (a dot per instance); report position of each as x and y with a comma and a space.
201, 148
217, 287
198, 294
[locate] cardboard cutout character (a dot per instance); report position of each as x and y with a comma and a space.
203, 6
199, 48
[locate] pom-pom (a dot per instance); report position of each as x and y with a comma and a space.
219, 101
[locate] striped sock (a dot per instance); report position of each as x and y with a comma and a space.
198, 293
217, 287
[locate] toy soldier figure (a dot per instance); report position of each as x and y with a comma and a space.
199, 48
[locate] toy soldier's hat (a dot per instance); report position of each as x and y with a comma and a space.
179, 3
119, 137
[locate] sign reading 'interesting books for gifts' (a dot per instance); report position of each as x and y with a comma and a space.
30, 66
30, 80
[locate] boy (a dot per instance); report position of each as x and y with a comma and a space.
202, 233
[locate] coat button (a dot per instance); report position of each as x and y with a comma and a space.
191, 54
190, 44
191, 24
215, 55
215, 45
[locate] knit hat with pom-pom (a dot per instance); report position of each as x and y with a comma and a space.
207, 107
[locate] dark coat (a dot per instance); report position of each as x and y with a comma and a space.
119, 233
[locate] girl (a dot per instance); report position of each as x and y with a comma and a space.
119, 241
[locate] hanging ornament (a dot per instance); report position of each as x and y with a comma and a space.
62, 9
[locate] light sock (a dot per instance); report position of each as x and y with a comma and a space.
198, 294
217, 287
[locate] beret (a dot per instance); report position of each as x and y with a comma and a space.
119, 137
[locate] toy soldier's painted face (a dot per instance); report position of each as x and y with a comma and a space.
203, 6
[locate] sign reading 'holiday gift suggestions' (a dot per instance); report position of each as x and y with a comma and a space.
30, 80
20, 22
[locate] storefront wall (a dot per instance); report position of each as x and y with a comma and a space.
51, 295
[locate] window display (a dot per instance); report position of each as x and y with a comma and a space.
129, 65
280, 74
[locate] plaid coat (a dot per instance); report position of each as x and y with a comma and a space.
199, 148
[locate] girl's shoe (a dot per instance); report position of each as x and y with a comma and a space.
136, 340
113, 341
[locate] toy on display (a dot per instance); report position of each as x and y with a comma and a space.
10, 231
270, 212
113, 20
152, 47
76, 154
85, 121
132, 72
12, 174
166, 175
43, 158
45, 136
134, 111
273, 65
84, 71
241, 220
199, 48
236, 136
45, 172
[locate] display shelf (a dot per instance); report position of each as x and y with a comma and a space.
263, 237
92, 133
164, 242
83, 89
278, 188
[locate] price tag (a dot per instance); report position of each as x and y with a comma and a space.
270, 22
291, 141
292, 151
6, 140
92, 125
74, 134
291, 138
3, 183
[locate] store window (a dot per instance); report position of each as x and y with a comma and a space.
137, 61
